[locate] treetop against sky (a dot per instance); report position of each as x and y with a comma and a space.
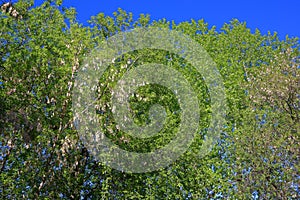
199, 113
275, 16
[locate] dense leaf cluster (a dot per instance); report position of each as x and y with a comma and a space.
41, 155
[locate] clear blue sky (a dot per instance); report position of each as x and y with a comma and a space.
282, 16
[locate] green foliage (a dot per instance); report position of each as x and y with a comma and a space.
41, 154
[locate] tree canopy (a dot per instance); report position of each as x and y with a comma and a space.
42, 156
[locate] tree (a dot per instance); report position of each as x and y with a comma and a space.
43, 157
270, 140
40, 54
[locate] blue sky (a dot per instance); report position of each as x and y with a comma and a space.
282, 16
